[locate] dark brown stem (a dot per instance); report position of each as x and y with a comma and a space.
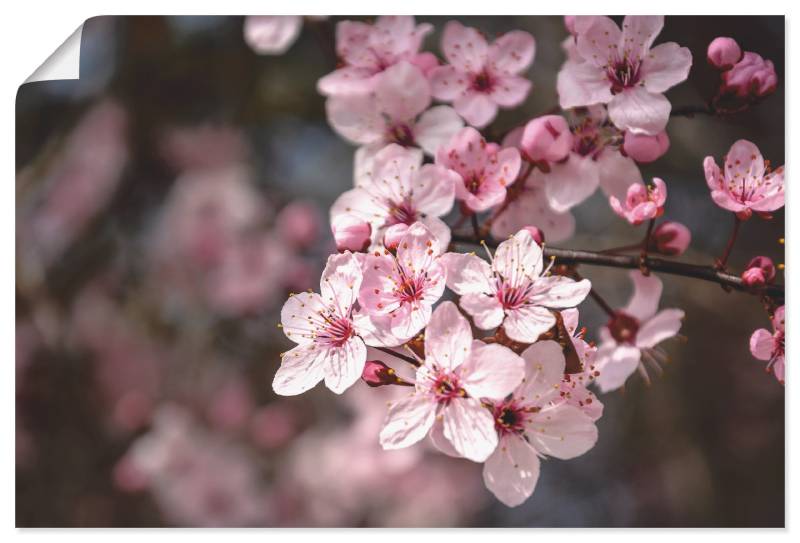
404, 358
476, 229
684, 269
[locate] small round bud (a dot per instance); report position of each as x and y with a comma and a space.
644, 148
536, 234
758, 272
393, 235
377, 374
670, 238
351, 234
723, 53
547, 138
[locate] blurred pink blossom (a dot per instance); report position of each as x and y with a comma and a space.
272, 34
642, 202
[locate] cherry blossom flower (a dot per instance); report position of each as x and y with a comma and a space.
402, 289
457, 374
642, 202
484, 169
513, 290
480, 77
758, 272
272, 34
324, 327
622, 69
634, 332
569, 174
367, 50
535, 421
751, 77
747, 183
770, 346
398, 189
574, 386
395, 110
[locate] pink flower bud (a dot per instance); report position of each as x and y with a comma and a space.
569, 23
393, 235
377, 374
723, 53
670, 238
351, 234
536, 234
750, 77
758, 272
643, 148
547, 138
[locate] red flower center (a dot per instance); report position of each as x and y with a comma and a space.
623, 327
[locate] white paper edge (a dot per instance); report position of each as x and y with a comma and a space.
64, 63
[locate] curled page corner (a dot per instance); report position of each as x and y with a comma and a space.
64, 63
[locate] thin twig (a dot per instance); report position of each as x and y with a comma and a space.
684, 269
402, 357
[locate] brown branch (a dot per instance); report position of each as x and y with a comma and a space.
684, 269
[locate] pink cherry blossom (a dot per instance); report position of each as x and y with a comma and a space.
323, 325
351, 233
723, 53
642, 202
758, 272
367, 50
485, 170
622, 69
547, 138
403, 288
398, 189
480, 77
272, 34
594, 159
751, 77
514, 290
395, 110
536, 421
747, 183
574, 386
770, 346
458, 373
633, 334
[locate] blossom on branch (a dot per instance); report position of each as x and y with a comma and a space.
480, 78
771, 346
513, 290
621, 68
456, 375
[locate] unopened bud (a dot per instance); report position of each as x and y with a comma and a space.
351, 234
751, 77
670, 238
547, 138
377, 374
758, 272
536, 234
644, 148
724, 53
393, 235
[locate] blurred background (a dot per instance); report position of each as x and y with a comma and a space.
169, 200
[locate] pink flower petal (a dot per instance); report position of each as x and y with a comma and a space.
518, 255
511, 472
646, 295
436, 127
512, 52
581, 84
492, 371
407, 421
478, 109
563, 431
464, 47
598, 39
569, 183
344, 365
467, 273
295, 314
301, 369
448, 337
762, 344
527, 323
639, 32
665, 66
544, 370
448, 82
433, 190
639, 111
617, 173
485, 310
272, 35
510, 91
470, 429
615, 363
560, 291
664, 325
340, 281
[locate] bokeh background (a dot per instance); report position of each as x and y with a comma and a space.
170, 199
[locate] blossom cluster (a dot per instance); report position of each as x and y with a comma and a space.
502, 377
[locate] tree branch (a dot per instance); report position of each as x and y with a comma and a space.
706, 273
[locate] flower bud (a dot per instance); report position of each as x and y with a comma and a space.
670, 238
547, 138
758, 272
750, 77
351, 234
644, 148
723, 53
377, 374
393, 235
536, 234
